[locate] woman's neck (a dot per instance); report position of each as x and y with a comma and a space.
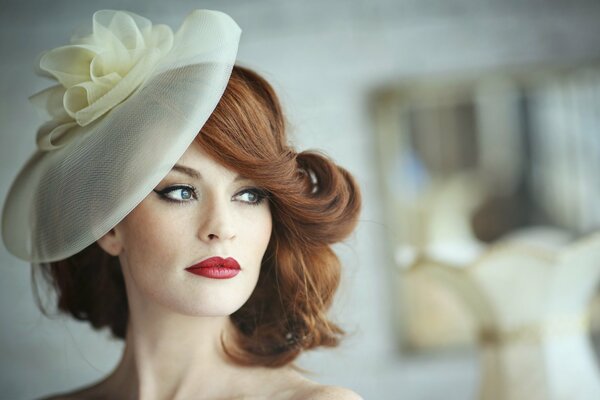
169, 356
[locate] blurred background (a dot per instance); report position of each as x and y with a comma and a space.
473, 130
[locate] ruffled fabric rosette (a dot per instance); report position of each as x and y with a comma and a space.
130, 98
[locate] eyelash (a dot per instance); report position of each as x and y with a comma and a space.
260, 194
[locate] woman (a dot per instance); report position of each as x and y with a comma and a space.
176, 214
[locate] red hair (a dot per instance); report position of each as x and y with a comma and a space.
314, 203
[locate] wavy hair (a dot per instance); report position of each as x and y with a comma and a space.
314, 203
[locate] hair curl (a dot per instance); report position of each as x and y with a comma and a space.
314, 203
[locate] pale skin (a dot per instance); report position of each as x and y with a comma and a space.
172, 349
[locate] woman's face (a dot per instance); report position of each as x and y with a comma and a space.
198, 211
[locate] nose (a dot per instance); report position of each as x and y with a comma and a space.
217, 221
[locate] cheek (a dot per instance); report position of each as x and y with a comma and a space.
150, 239
266, 234
155, 250
257, 233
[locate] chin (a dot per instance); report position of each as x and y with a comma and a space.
210, 310
204, 305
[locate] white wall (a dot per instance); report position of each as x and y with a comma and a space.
324, 58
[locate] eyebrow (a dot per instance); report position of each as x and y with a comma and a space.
187, 171
192, 173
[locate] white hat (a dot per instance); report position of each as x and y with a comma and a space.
131, 98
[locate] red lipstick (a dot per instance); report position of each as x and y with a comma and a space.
216, 268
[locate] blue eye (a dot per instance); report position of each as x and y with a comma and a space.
251, 196
178, 194
184, 194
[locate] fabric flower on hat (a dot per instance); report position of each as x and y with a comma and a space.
97, 72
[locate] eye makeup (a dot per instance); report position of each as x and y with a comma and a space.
187, 193
257, 196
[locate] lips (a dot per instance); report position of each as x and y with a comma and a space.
216, 268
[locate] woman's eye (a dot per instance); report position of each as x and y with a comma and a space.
251, 196
178, 194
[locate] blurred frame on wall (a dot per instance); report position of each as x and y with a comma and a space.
470, 162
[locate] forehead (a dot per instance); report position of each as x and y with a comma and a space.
196, 163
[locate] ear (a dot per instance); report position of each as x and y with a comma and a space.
111, 243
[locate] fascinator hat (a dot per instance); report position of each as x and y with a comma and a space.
130, 98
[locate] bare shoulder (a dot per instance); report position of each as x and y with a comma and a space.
296, 386
323, 392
